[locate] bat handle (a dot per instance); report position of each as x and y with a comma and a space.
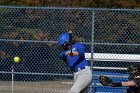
71, 50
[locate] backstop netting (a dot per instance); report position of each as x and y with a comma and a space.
31, 33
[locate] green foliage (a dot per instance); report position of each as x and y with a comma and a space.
27, 30
15, 2
75, 3
4, 2
4, 10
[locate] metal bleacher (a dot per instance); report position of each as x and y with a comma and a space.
115, 76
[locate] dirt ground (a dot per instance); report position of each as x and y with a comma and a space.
35, 87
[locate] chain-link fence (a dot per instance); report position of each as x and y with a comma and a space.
31, 33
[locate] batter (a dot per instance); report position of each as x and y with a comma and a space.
76, 62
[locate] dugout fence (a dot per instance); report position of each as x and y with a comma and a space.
110, 36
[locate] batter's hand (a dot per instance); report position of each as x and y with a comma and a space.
73, 53
69, 53
104, 80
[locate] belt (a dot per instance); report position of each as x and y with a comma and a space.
76, 70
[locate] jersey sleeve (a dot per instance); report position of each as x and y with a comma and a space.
62, 55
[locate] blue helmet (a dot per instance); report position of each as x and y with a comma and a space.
63, 38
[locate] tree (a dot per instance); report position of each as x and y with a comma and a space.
75, 3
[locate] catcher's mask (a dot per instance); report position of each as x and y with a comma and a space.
63, 39
134, 70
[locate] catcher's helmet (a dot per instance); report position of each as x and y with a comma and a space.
134, 69
63, 38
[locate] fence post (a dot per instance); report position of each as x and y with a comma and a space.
92, 49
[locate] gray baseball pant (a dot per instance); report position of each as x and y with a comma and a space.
82, 79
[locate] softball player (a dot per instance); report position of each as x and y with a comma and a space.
77, 63
133, 80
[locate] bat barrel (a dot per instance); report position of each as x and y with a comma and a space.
70, 39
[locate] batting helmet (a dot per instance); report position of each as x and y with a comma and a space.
63, 38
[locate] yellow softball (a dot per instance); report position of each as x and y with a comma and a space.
16, 59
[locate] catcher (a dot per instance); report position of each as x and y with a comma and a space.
133, 83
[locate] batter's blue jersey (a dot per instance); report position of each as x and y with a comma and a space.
75, 62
